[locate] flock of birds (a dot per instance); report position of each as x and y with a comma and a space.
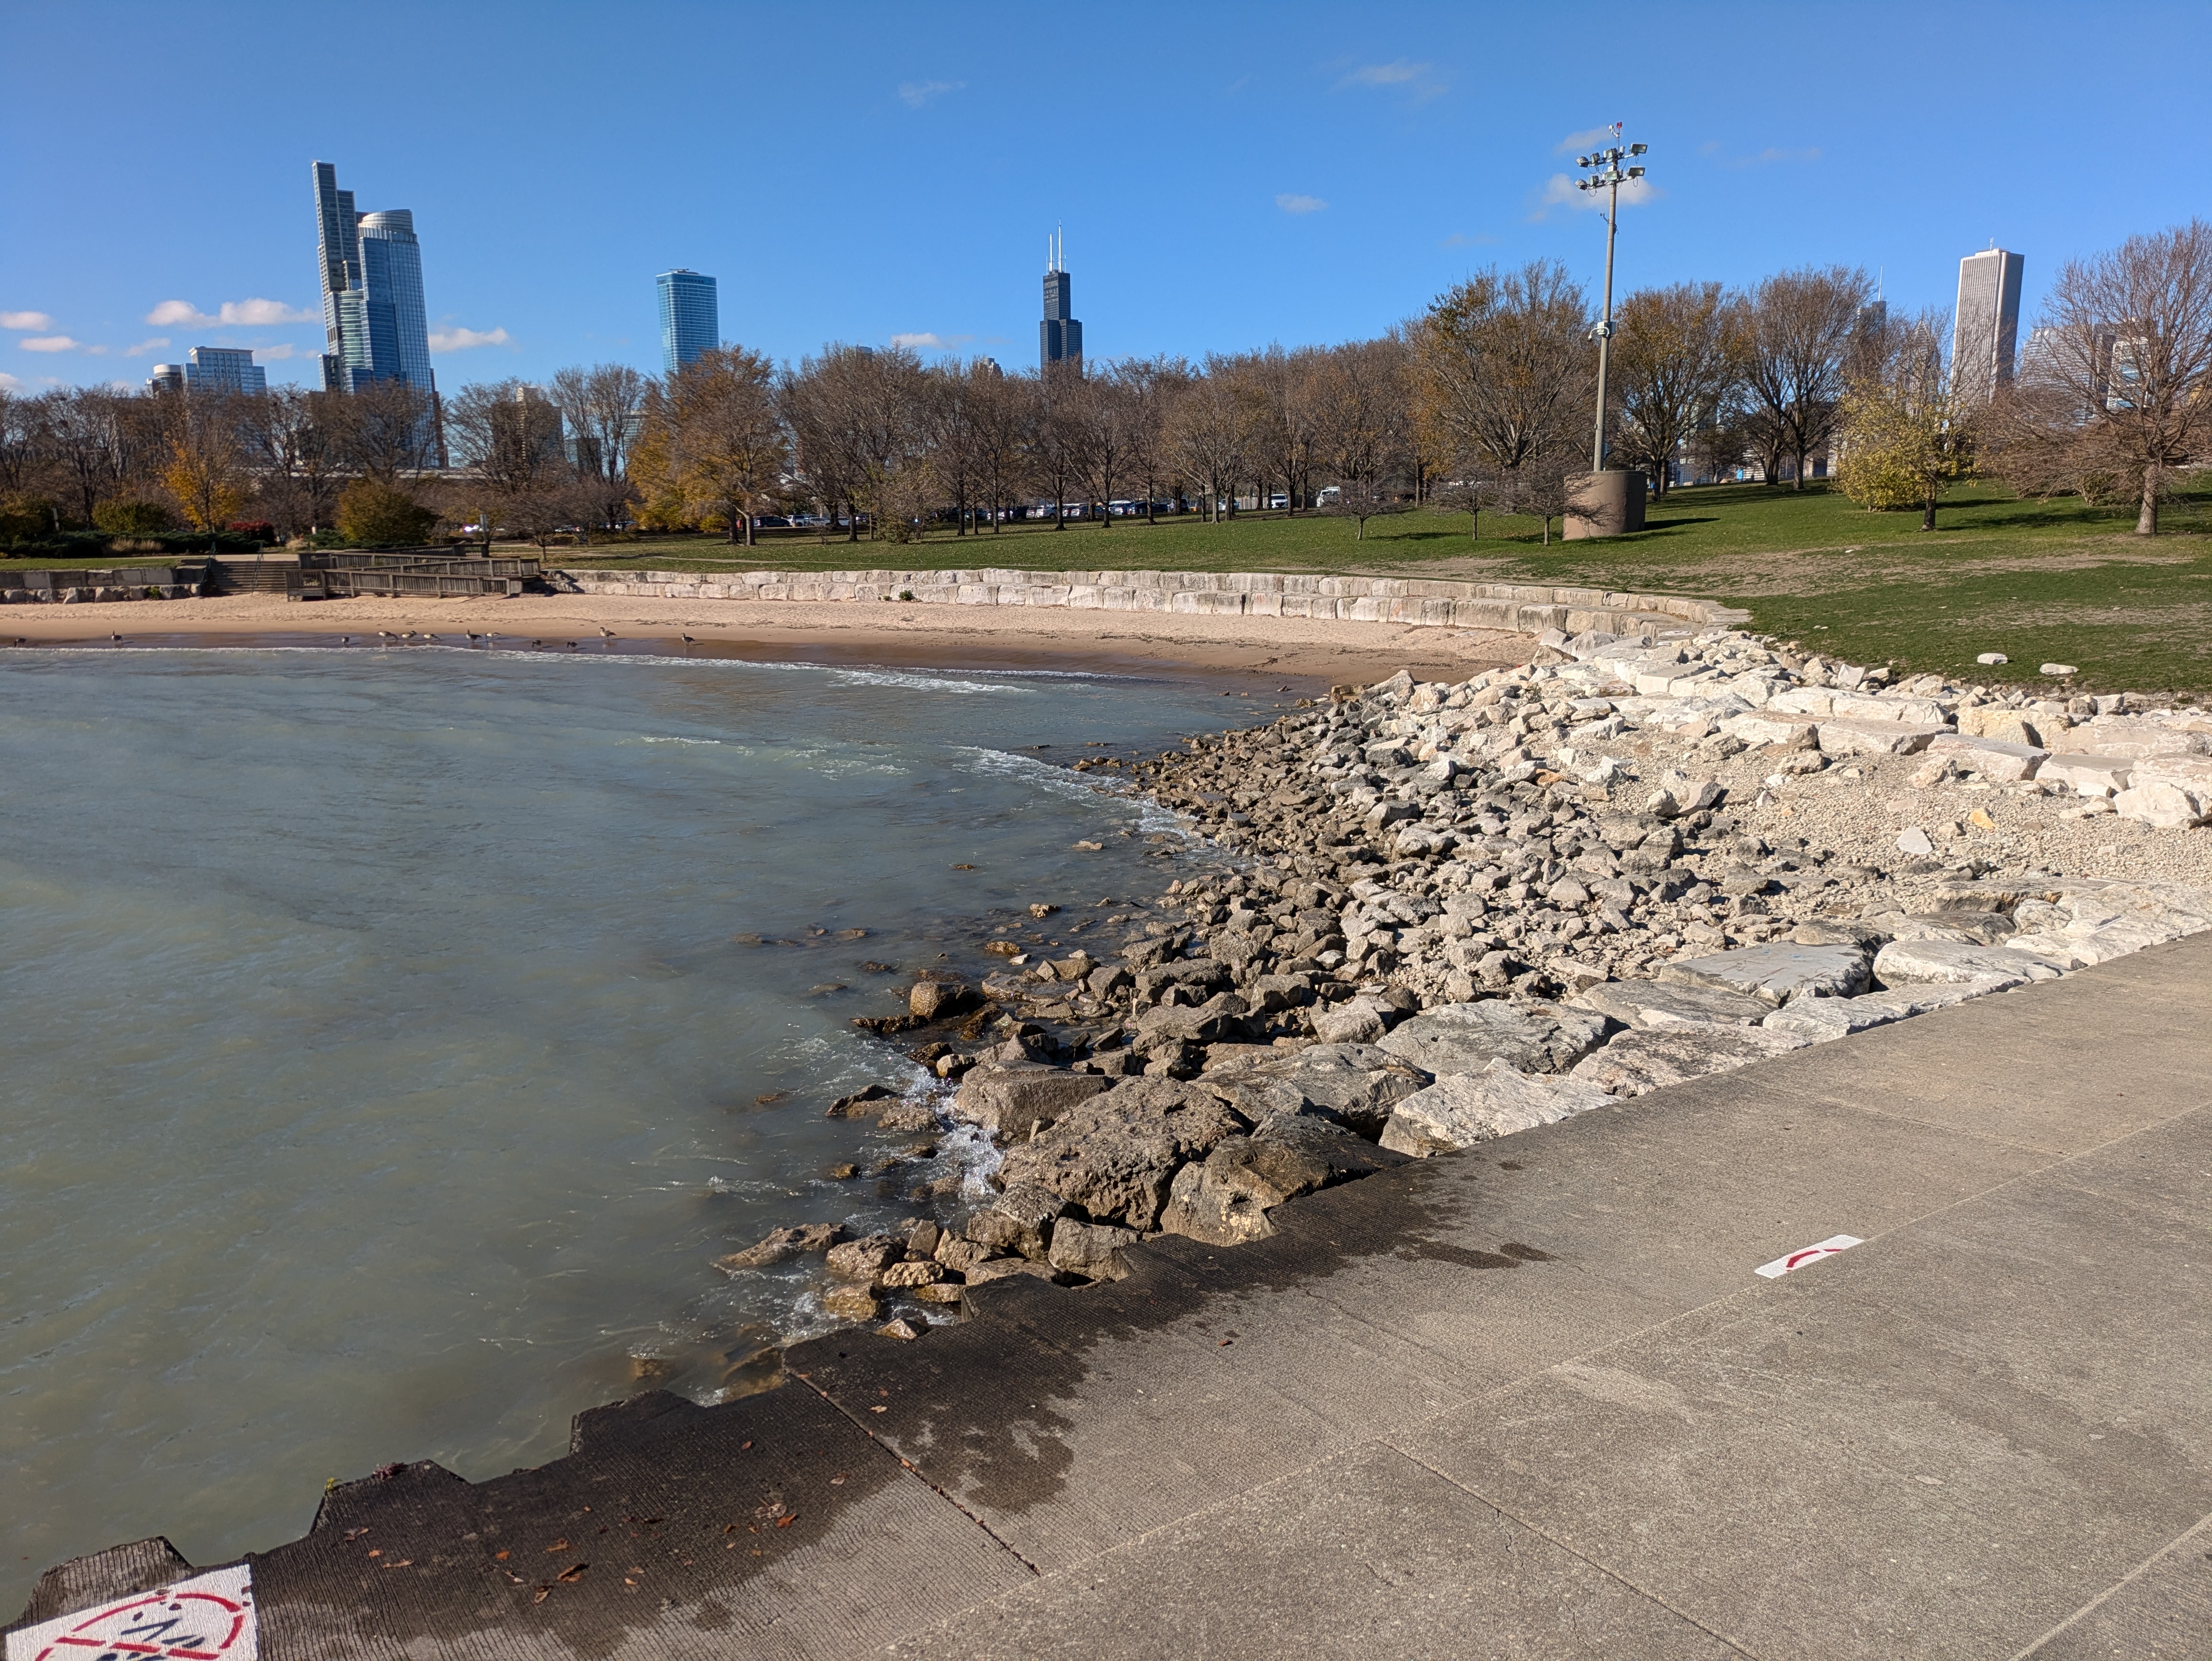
387, 638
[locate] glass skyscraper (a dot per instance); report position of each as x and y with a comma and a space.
373, 316
1060, 337
224, 369
690, 321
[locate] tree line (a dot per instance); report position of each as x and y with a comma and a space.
1483, 403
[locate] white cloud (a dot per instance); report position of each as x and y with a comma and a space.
13, 383
1386, 74
914, 93
25, 320
1581, 141
232, 315
146, 346
50, 343
1290, 203
458, 339
276, 354
929, 340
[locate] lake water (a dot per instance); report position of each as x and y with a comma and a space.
385, 1053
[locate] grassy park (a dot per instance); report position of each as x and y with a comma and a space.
2041, 581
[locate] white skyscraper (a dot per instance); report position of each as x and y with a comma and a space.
1987, 324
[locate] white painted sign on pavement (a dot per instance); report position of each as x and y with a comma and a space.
1782, 1266
209, 1617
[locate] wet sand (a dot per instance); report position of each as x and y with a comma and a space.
1275, 649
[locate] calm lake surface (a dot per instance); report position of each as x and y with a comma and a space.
384, 1052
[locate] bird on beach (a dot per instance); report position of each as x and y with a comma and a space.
115, 637
386, 634
571, 645
606, 633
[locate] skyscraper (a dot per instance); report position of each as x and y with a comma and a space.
373, 316
1987, 326
1060, 337
690, 323
223, 369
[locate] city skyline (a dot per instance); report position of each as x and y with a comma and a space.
375, 322
1361, 179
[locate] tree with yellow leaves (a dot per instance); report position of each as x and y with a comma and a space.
1906, 435
206, 469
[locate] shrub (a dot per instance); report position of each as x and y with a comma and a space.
24, 517
127, 518
374, 514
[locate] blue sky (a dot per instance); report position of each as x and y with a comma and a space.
1227, 175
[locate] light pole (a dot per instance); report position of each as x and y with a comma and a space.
1609, 177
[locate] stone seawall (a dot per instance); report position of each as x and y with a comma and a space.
1419, 601
69, 587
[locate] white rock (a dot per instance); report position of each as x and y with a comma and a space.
1905, 962
1459, 1113
1461, 1038
1821, 1019
2161, 806
1843, 735
1775, 974
1915, 842
2085, 776
1649, 1004
1993, 758
1993, 658
2058, 669
1652, 1059
1931, 995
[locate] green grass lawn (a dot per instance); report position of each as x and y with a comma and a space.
2040, 581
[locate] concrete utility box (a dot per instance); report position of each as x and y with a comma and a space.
1606, 504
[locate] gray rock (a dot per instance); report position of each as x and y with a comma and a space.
1823, 1018
1355, 1083
1114, 1155
1775, 974
781, 1244
1650, 1004
930, 1001
1000, 1267
1093, 1250
1925, 998
1635, 1062
866, 1257
1020, 1219
1012, 1097
1461, 1038
1906, 963
1463, 1110
1219, 1019
1356, 1020
1200, 1207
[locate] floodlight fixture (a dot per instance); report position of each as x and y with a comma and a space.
1636, 173
1637, 150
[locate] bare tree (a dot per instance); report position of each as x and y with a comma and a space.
856, 415
1366, 443
1150, 388
206, 468
80, 430
604, 407
1797, 336
295, 459
1056, 443
388, 430
1003, 413
955, 427
1208, 436
1677, 357
1096, 410
506, 437
19, 445
2118, 390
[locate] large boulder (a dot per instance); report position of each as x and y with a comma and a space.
1012, 1097
1643, 1004
1459, 1038
1356, 1020
1463, 1109
1823, 1018
1775, 974
1018, 1220
1220, 1019
1114, 1155
781, 1244
1637, 1061
1224, 1199
1907, 963
1355, 1084
1094, 1250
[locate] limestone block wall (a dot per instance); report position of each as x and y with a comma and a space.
1423, 602
72, 587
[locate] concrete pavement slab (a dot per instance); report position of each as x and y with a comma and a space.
1366, 1555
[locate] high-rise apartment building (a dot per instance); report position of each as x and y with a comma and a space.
374, 317
223, 369
1987, 327
691, 322
1060, 337
167, 377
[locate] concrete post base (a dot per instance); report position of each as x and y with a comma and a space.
1606, 504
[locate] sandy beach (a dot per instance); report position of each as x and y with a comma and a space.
1278, 649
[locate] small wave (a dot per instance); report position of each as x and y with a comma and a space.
650, 739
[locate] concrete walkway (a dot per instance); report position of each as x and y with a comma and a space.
1530, 1400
